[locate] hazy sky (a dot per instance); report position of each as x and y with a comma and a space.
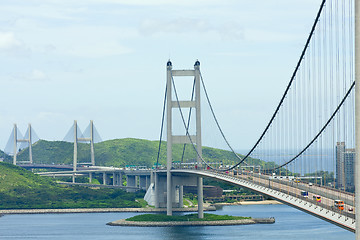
105, 60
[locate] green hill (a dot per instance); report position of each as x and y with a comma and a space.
122, 152
21, 189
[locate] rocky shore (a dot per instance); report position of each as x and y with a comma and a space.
123, 222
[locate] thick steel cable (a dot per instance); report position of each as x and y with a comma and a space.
189, 118
288, 86
279, 105
187, 130
216, 121
162, 127
183, 119
322, 129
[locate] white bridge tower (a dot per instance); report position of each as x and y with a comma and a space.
194, 139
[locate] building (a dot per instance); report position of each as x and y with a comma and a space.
344, 167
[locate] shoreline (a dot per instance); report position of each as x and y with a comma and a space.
139, 210
123, 222
98, 210
265, 202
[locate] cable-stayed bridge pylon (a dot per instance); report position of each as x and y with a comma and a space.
90, 135
18, 142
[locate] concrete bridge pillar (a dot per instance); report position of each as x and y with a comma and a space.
156, 182
181, 196
130, 182
142, 182
120, 179
147, 182
90, 177
106, 179
136, 181
114, 179
200, 197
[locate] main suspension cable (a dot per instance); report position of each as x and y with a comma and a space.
162, 127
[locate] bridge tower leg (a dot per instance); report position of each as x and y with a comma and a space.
92, 143
169, 139
357, 119
30, 145
198, 138
15, 144
170, 104
75, 150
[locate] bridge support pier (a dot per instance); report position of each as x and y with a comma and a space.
131, 182
156, 183
114, 179
106, 179
148, 182
200, 197
90, 177
142, 182
121, 182
160, 191
181, 196
168, 194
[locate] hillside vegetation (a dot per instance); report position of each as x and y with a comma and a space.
21, 189
122, 152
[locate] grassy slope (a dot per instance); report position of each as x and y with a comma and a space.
20, 188
121, 152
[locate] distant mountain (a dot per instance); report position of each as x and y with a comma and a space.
122, 152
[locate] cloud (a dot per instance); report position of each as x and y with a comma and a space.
180, 25
161, 2
101, 49
227, 30
38, 75
35, 75
8, 41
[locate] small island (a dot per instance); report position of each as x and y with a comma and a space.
162, 220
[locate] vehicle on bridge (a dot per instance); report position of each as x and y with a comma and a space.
339, 204
317, 198
304, 194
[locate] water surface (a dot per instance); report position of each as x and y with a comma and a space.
290, 224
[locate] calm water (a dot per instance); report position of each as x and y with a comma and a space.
290, 224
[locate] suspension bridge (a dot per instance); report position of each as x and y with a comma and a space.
309, 147
312, 134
